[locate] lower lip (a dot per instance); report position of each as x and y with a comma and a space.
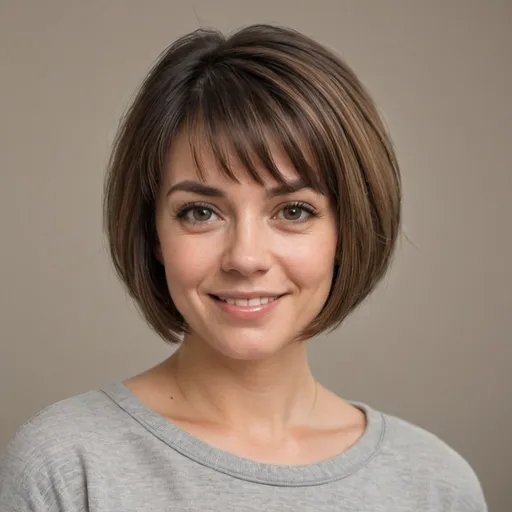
247, 312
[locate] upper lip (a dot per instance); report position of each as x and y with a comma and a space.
247, 295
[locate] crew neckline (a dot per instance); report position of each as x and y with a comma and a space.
328, 470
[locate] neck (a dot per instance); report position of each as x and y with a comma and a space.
272, 394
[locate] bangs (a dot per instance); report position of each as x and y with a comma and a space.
246, 116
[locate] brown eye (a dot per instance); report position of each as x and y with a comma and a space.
296, 212
292, 212
201, 214
197, 214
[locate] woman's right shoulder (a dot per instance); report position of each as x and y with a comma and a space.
53, 439
68, 420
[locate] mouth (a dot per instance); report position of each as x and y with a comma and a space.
247, 302
253, 308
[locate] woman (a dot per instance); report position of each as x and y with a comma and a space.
252, 202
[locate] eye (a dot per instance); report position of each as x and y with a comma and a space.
296, 212
197, 214
201, 214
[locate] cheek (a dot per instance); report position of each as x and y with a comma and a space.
188, 261
310, 261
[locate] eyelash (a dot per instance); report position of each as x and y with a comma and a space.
303, 206
185, 209
188, 207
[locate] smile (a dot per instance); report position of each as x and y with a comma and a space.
256, 301
247, 308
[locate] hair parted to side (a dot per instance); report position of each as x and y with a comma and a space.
262, 85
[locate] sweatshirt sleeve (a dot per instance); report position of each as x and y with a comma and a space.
470, 496
19, 490
39, 470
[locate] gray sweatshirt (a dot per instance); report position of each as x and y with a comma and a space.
105, 451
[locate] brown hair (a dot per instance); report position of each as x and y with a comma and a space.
263, 84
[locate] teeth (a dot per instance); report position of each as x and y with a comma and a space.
258, 301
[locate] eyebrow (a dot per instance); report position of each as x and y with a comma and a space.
201, 189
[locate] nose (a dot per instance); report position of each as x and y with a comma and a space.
247, 248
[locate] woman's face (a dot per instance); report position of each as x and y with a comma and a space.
248, 266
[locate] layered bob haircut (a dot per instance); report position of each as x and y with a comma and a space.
241, 95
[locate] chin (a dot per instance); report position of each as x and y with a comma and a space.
247, 348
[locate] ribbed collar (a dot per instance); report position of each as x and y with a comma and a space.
328, 470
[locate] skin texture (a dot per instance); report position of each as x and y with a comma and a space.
244, 385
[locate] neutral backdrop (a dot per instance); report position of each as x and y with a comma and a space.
432, 345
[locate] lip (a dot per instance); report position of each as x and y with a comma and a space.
247, 295
247, 312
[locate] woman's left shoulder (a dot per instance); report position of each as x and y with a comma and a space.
429, 460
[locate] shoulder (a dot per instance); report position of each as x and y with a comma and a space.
429, 462
50, 444
63, 424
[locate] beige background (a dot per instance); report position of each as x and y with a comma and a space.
432, 344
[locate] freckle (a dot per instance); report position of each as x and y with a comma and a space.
172, 398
